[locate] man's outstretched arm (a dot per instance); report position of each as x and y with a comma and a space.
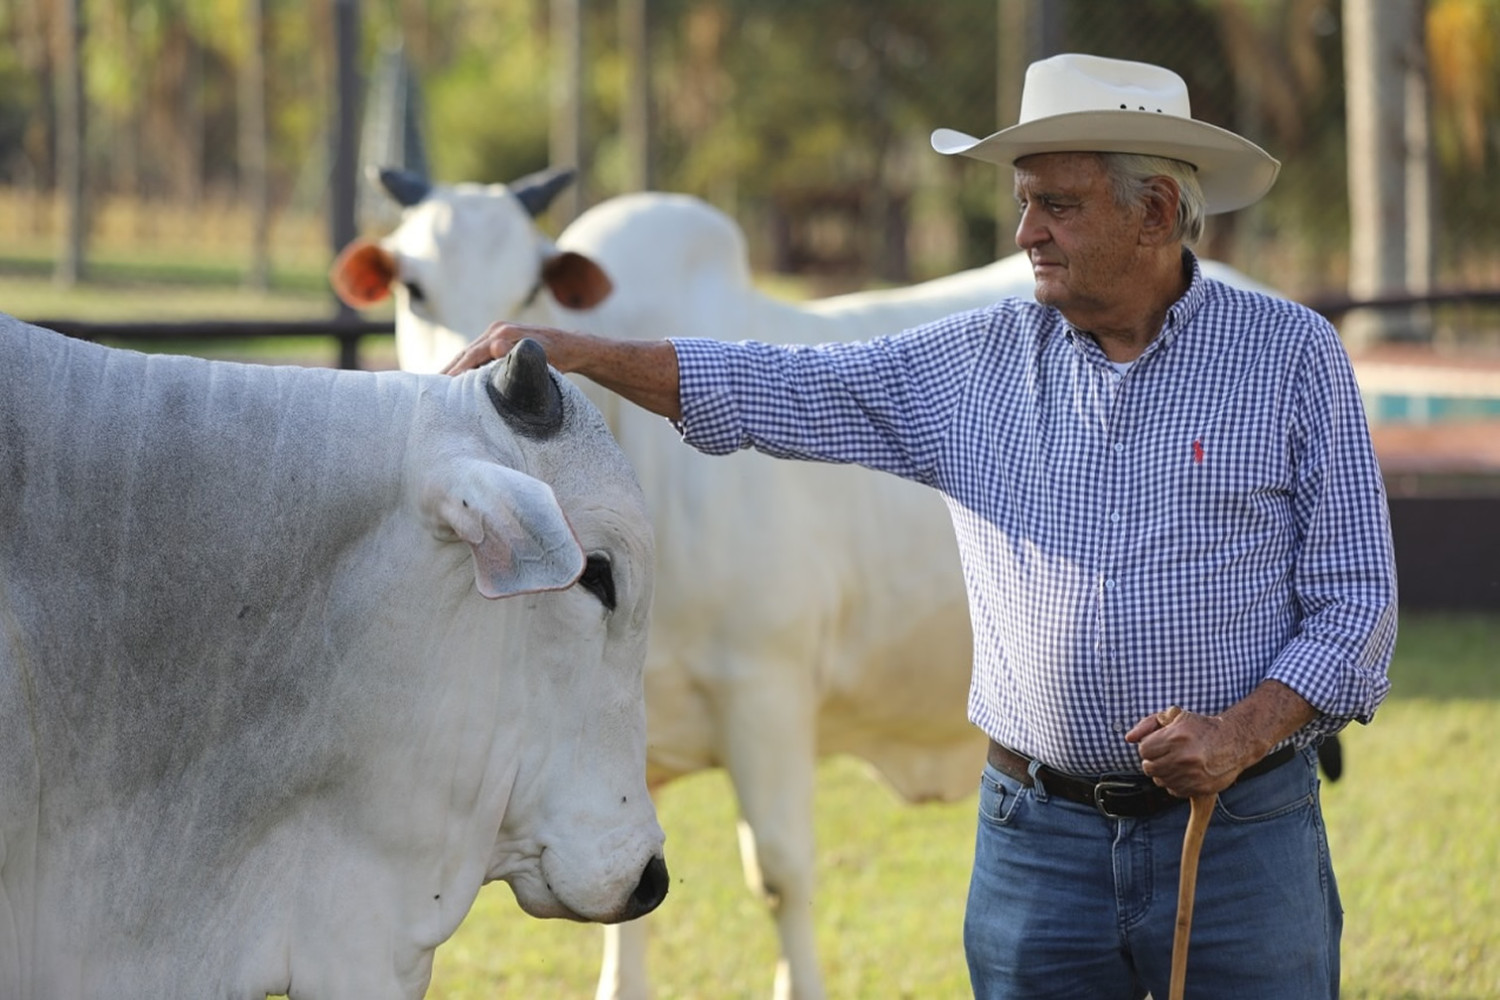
642, 371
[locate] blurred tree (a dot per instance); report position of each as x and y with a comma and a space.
255, 185
69, 30
488, 100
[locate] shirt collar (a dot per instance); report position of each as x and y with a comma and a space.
1179, 314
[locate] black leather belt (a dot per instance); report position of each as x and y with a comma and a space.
1116, 796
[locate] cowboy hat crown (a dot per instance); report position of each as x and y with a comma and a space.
1075, 103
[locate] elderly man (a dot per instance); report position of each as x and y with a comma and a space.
1164, 494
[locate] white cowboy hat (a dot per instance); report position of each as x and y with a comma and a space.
1078, 103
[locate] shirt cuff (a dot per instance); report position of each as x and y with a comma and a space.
710, 419
1340, 691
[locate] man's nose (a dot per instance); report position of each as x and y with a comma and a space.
1030, 232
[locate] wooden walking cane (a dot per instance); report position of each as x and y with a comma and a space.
1187, 880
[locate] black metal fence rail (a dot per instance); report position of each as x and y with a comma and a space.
346, 331
1447, 547
1334, 306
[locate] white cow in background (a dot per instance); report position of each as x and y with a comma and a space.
802, 610
260, 730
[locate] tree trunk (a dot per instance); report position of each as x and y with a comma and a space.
71, 150
255, 188
345, 150
567, 105
1375, 86
1420, 241
635, 39
1014, 52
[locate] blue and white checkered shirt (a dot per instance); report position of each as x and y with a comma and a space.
1172, 536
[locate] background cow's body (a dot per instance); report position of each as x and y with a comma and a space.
802, 609
258, 731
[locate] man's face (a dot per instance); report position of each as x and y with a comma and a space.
1082, 244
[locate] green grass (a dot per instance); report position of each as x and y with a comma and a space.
1414, 827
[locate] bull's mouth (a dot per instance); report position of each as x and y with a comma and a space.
537, 897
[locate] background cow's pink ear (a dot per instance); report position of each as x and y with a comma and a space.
520, 538
576, 282
362, 274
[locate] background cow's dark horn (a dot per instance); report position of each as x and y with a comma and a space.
403, 185
537, 190
523, 392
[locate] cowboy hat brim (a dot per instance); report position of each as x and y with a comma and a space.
1233, 171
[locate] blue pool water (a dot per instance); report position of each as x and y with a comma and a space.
1409, 408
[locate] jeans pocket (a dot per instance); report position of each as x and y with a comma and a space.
1291, 787
999, 797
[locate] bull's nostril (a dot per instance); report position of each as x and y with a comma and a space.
650, 891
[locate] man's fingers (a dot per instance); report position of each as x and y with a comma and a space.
494, 342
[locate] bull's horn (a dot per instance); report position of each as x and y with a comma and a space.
537, 190
523, 392
406, 187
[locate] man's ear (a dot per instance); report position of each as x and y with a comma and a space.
1160, 216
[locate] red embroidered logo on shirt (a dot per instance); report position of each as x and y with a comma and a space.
1197, 452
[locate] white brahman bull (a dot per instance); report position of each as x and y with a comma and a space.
801, 610
260, 731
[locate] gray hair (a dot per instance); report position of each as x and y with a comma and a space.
1129, 172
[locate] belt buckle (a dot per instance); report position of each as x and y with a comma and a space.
1121, 799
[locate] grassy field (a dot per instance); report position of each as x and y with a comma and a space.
1414, 824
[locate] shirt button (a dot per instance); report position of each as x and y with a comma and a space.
1114, 518
1119, 448
1109, 584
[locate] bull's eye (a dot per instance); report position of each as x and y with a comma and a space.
415, 291
599, 579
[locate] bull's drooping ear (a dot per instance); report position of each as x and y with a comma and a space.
576, 282
536, 191
520, 539
362, 273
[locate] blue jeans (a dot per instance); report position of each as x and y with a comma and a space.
1065, 902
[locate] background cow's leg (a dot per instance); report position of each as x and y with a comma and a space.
771, 755
622, 973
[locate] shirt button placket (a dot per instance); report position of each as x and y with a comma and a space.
1113, 682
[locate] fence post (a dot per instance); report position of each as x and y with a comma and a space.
345, 156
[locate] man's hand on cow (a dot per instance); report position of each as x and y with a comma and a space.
1190, 755
499, 338
644, 372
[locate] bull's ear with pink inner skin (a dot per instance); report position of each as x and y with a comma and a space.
520, 538
575, 281
362, 273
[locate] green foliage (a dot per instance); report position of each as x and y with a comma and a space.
771, 109
488, 107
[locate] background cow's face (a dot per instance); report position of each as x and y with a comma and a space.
464, 257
